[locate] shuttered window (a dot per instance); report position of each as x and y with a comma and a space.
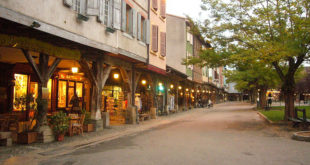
140, 26
117, 14
134, 23
147, 33
101, 15
154, 38
106, 11
92, 7
82, 7
163, 8
154, 4
163, 44
68, 3
129, 19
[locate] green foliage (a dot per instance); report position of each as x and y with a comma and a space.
254, 36
60, 123
277, 113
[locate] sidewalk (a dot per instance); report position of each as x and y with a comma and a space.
32, 152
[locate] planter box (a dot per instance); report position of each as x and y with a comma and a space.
27, 137
88, 128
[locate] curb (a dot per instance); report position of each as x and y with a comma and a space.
298, 137
265, 118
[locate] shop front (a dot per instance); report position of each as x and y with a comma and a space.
115, 98
144, 96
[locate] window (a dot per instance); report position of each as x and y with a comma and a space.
79, 89
154, 4
163, 8
128, 19
66, 90
163, 44
20, 91
143, 29
62, 94
154, 38
106, 12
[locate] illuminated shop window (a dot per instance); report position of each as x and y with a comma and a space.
49, 86
20, 91
62, 94
79, 89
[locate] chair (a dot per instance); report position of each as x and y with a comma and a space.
78, 127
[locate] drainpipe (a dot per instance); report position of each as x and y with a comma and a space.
148, 45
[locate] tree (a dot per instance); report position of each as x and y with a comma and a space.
271, 32
253, 77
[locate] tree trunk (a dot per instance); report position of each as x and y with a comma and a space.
288, 88
262, 97
289, 103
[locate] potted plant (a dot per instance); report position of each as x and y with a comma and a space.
60, 125
87, 126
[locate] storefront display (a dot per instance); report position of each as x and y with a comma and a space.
113, 102
68, 86
20, 92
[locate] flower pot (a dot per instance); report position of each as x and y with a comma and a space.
88, 128
27, 137
60, 137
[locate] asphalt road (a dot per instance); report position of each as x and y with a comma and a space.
228, 134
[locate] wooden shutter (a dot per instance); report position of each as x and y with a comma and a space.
110, 14
100, 17
68, 3
154, 38
163, 44
124, 15
134, 23
163, 8
117, 14
147, 33
92, 7
82, 9
130, 21
154, 4
139, 26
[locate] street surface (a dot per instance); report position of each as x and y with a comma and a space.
227, 134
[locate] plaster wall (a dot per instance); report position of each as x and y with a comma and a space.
56, 14
155, 58
176, 42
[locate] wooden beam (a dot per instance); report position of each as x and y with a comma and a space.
85, 67
33, 65
137, 78
124, 74
52, 69
106, 73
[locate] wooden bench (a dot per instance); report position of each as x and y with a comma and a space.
144, 116
297, 120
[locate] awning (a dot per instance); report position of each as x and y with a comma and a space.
39, 46
155, 69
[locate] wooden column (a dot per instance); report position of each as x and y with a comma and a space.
43, 73
98, 75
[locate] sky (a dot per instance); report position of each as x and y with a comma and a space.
182, 7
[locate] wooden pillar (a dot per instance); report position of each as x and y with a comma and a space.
43, 73
176, 88
98, 75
